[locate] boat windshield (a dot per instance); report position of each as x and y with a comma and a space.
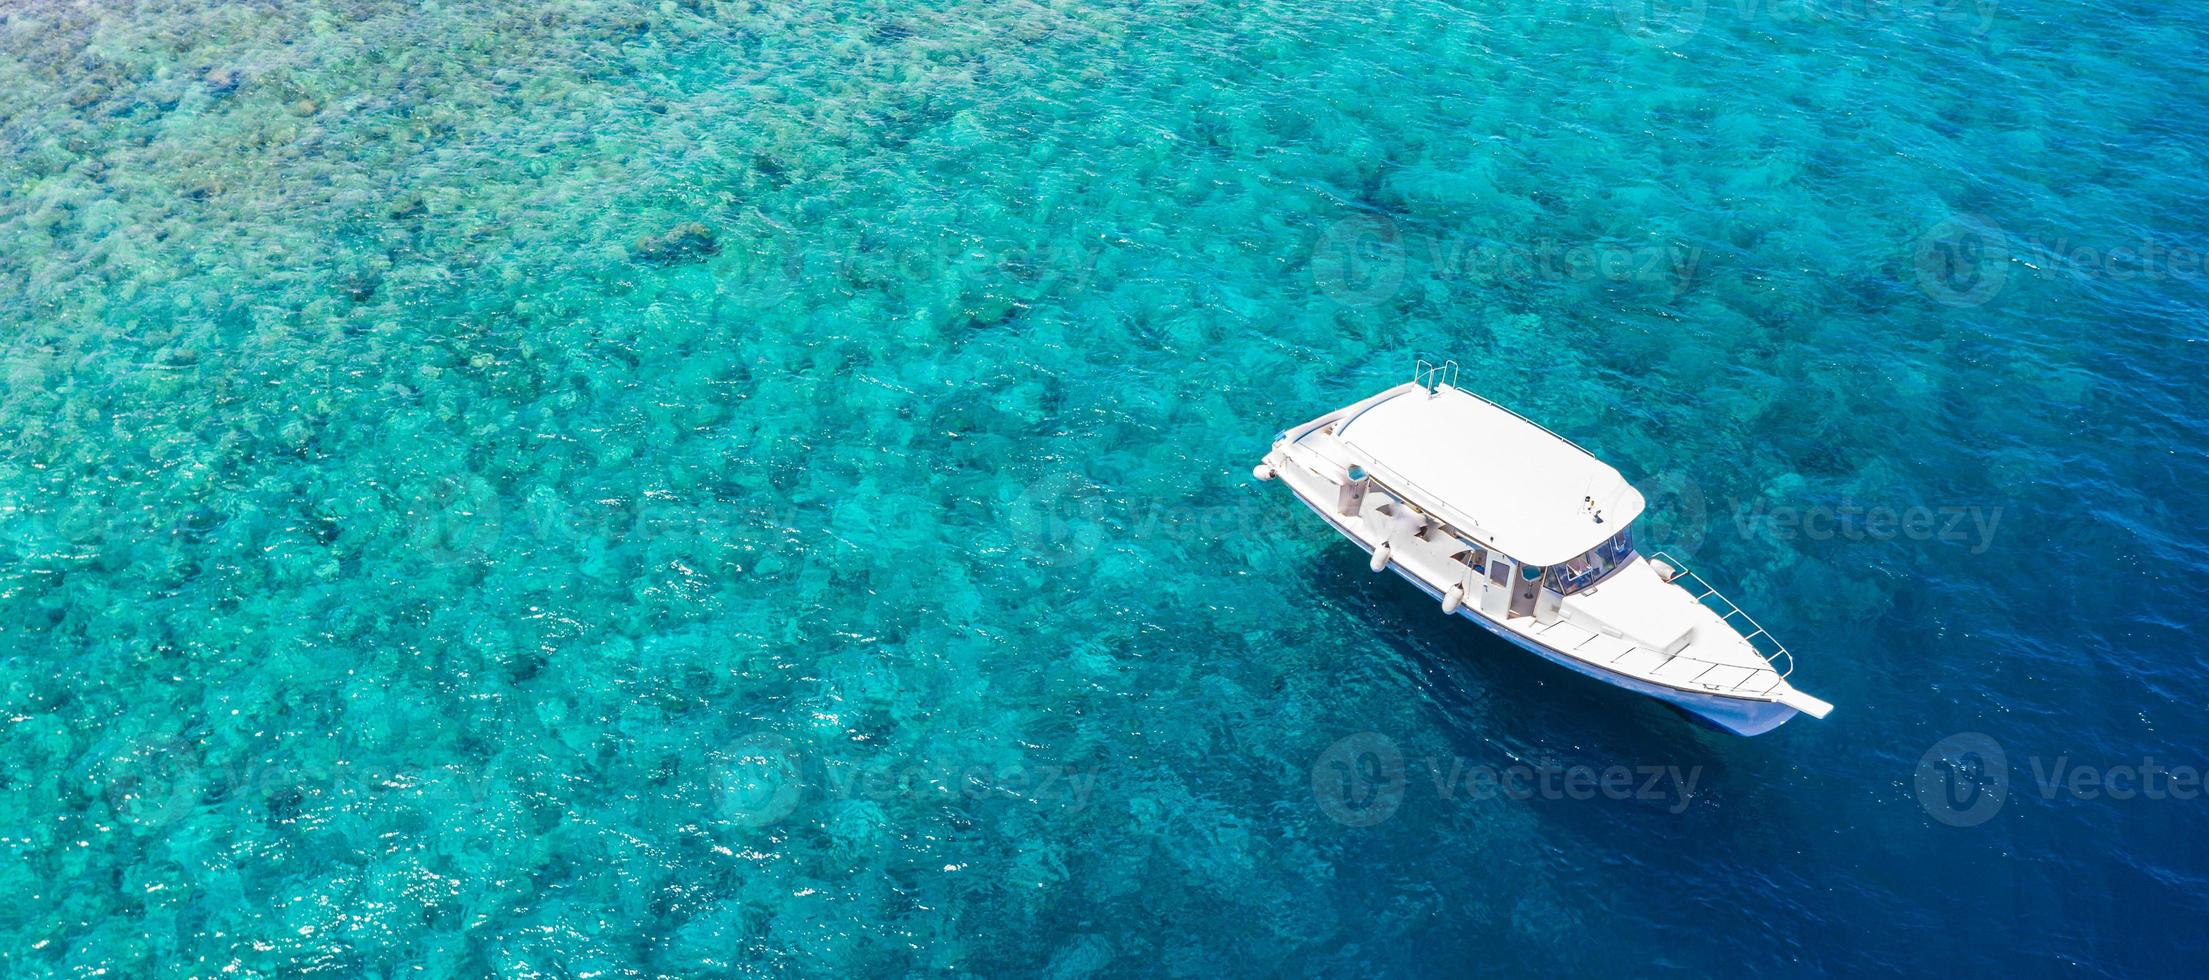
1587, 569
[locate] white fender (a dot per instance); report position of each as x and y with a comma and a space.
1380, 558
1452, 598
1262, 471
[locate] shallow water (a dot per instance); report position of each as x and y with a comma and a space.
406, 565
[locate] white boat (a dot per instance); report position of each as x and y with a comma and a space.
1516, 528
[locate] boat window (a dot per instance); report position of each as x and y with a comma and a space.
1500, 572
1578, 572
1622, 544
1600, 561
1477, 559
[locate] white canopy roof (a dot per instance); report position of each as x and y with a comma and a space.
1526, 488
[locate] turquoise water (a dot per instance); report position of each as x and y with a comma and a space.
422, 552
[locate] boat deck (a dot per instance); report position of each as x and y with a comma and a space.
1744, 673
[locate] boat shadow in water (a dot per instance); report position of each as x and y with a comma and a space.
1488, 698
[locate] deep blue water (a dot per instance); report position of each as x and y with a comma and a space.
421, 552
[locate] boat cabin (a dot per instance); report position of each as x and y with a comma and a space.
1534, 516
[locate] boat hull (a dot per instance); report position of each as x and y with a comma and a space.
1741, 716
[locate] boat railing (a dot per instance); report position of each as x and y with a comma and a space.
1772, 650
1435, 377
